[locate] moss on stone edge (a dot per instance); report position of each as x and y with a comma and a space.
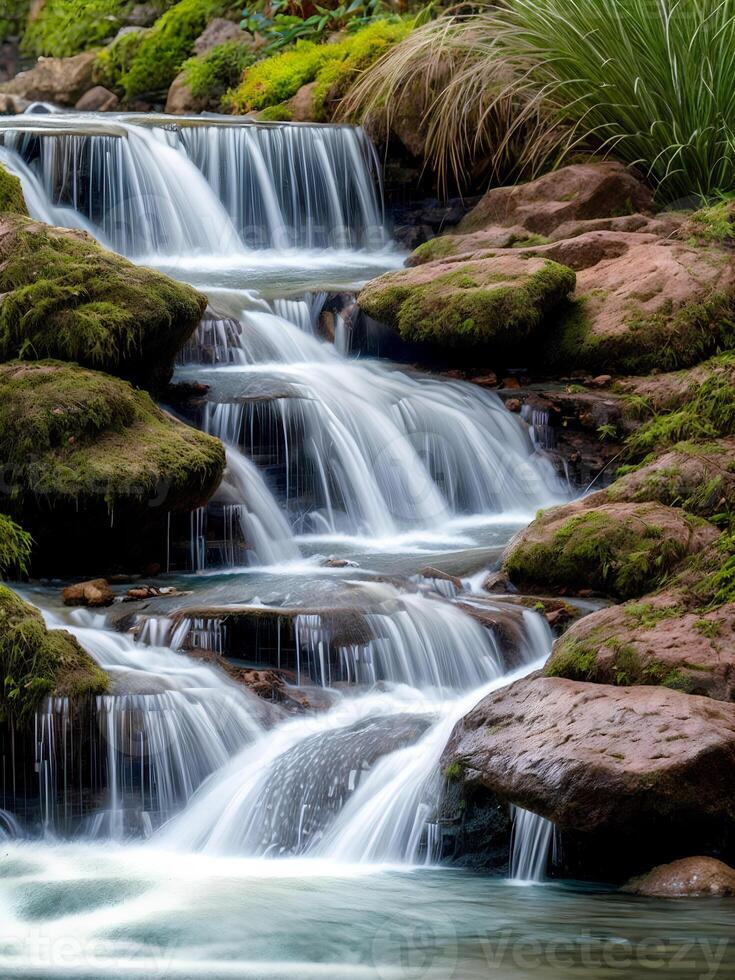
277, 79
622, 558
36, 663
11, 193
69, 434
66, 297
465, 307
443, 247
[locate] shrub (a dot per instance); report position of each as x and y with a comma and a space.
66, 27
652, 83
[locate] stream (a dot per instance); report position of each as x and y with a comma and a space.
226, 836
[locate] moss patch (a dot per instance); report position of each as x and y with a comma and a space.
11, 193
211, 75
63, 28
36, 662
500, 301
713, 225
66, 297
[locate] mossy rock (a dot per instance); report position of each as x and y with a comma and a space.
622, 549
36, 663
94, 467
64, 296
11, 193
495, 302
657, 640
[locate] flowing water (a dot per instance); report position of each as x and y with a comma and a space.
186, 827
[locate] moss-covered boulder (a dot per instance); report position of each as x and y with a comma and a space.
62, 295
36, 663
618, 549
657, 640
11, 193
497, 303
93, 468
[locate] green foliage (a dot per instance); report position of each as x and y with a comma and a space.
36, 662
11, 193
712, 225
212, 74
117, 58
167, 45
281, 28
277, 79
15, 547
718, 588
621, 556
13, 18
66, 297
66, 27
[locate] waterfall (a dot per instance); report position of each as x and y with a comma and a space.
530, 845
147, 187
168, 724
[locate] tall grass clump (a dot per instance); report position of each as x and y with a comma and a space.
651, 82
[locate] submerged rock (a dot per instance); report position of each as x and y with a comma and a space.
36, 662
693, 877
94, 468
493, 302
619, 549
656, 641
63, 295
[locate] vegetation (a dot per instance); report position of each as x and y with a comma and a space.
66, 27
277, 22
66, 297
530, 81
15, 547
213, 74
11, 194
36, 662
13, 18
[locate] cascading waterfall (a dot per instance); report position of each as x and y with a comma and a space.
147, 187
530, 845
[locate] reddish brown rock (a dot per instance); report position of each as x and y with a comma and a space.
302, 104
576, 193
98, 99
592, 757
693, 877
59, 80
655, 641
95, 592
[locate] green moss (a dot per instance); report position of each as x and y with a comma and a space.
36, 662
11, 193
622, 557
713, 225
438, 248
73, 434
470, 306
212, 74
15, 547
116, 59
276, 113
453, 771
645, 616
66, 297
168, 44
13, 18
527, 241
277, 79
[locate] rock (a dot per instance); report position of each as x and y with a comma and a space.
37, 663
601, 381
498, 582
576, 193
217, 32
513, 405
619, 549
698, 477
653, 305
143, 14
96, 308
301, 105
658, 641
593, 758
488, 380
693, 877
95, 592
59, 80
181, 101
430, 572
496, 301
103, 460
98, 99
12, 105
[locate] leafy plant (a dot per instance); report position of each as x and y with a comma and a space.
281, 28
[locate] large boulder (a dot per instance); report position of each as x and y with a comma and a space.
63, 295
36, 662
691, 877
656, 641
579, 192
619, 549
93, 468
495, 302
642, 771
59, 80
